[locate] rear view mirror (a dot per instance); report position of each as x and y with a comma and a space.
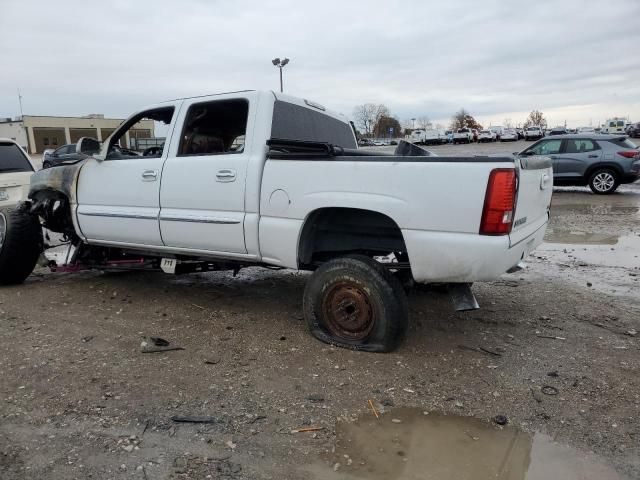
88, 146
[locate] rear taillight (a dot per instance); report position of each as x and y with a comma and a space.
628, 153
499, 202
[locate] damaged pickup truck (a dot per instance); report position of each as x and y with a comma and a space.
263, 179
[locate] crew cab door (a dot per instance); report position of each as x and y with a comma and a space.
202, 197
118, 196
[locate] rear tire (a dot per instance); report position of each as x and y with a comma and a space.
603, 181
354, 302
20, 245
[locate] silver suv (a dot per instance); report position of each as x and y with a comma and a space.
601, 161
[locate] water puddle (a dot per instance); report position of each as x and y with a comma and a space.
594, 248
406, 444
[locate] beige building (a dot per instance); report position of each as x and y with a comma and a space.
38, 133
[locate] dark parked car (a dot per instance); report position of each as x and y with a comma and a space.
557, 131
67, 154
633, 130
601, 161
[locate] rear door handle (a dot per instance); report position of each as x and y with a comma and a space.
149, 175
226, 175
594, 156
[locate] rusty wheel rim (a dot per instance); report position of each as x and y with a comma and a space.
348, 311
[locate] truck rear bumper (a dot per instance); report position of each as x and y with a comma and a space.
440, 257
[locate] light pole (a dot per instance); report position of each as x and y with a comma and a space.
280, 64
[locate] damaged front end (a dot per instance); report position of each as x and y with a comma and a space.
53, 199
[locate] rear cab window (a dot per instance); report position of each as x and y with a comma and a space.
12, 159
295, 122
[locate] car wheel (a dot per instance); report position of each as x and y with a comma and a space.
20, 245
354, 302
46, 165
603, 181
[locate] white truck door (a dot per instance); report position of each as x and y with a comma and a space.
118, 197
202, 197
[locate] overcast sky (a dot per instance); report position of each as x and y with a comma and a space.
575, 60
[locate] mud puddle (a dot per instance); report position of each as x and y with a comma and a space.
407, 444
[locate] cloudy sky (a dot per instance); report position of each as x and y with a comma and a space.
575, 60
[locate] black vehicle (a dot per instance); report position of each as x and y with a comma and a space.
67, 154
558, 131
633, 130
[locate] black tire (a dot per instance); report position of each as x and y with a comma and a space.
20, 245
46, 165
604, 181
377, 302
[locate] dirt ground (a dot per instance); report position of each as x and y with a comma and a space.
554, 348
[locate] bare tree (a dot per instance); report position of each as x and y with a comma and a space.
439, 126
536, 117
463, 119
368, 115
424, 122
508, 123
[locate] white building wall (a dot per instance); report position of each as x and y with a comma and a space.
14, 131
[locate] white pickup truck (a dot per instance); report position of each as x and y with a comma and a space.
260, 178
463, 135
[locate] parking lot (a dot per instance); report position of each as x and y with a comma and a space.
554, 348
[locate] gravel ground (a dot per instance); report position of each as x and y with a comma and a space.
80, 399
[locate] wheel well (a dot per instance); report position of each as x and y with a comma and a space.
54, 208
598, 166
329, 232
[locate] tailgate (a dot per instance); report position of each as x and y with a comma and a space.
535, 186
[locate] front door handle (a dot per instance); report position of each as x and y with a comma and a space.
594, 156
226, 175
149, 175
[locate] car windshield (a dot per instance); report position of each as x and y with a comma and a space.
532, 129
12, 159
463, 130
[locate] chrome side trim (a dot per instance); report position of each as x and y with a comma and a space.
120, 215
220, 221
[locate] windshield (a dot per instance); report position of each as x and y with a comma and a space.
532, 129
12, 159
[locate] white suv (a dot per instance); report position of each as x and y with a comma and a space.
15, 176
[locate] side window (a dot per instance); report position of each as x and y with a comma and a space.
580, 146
141, 135
62, 150
547, 147
213, 128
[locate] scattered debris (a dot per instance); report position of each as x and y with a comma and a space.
480, 350
552, 337
212, 361
373, 409
257, 418
231, 445
549, 390
554, 373
501, 419
87, 339
631, 332
315, 398
307, 429
193, 419
408, 390
396, 420
156, 344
